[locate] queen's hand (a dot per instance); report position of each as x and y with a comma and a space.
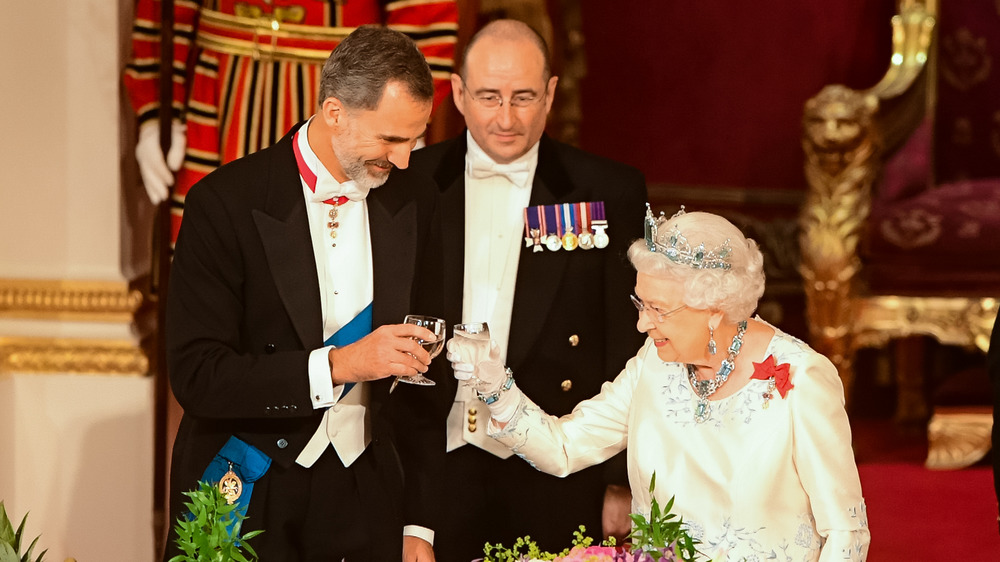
479, 367
476, 365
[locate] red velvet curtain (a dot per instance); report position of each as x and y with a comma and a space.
710, 92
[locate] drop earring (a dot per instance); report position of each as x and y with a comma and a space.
711, 341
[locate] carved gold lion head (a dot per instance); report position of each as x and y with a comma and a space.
838, 117
838, 129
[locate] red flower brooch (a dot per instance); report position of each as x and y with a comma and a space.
776, 375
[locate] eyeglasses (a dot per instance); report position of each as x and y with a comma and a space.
661, 314
494, 101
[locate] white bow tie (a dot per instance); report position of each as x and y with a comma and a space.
516, 173
329, 188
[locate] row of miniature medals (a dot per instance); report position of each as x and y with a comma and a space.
566, 226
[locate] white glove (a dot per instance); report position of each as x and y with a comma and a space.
157, 171
480, 368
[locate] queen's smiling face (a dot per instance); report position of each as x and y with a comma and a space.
680, 333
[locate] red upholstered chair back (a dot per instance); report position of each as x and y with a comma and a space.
900, 229
935, 218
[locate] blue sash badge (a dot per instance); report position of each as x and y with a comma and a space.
236, 467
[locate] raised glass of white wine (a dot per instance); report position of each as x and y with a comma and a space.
477, 334
433, 347
478, 331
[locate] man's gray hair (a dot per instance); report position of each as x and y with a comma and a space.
358, 70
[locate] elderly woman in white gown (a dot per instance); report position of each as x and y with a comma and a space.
742, 423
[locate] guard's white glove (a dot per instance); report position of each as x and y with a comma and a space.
156, 170
481, 369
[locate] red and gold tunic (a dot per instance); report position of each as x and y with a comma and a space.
245, 71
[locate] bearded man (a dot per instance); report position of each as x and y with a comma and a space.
290, 277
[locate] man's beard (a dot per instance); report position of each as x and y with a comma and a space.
359, 171
355, 167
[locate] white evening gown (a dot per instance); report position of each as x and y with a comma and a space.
752, 483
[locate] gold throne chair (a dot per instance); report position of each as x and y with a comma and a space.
889, 246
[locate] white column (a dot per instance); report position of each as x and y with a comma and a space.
76, 407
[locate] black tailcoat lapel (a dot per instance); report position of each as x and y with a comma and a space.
538, 276
393, 224
284, 232
450, 177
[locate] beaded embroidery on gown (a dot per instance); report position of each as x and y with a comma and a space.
752, 483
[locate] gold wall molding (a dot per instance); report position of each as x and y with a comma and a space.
109, 301
56, 355
70, 301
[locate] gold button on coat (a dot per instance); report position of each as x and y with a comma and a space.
574, 340
566, 385
472, 427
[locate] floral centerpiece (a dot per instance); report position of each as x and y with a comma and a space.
662, 537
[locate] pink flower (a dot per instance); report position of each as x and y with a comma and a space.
589, 554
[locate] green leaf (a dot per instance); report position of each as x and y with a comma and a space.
27, 553
20, 532
7, 553
207, 537
6, 529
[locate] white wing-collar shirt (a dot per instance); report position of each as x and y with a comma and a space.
346, 288
761, 478
494, 227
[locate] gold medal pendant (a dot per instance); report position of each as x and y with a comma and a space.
333, 224
231, 486
570, 221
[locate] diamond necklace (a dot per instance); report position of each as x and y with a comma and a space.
704, 389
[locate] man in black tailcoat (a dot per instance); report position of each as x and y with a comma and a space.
534, 237
292, 273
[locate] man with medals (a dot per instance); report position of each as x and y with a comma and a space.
551, 307
292, 271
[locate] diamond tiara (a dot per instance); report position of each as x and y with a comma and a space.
679, 250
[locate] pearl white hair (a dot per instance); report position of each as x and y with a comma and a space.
734, 291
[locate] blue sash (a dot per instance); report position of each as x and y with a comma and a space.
351, 332
248, 462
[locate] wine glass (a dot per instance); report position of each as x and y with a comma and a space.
477, 334
433, 347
